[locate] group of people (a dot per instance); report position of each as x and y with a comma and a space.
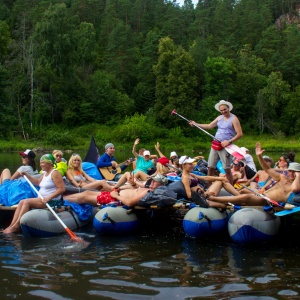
279, 183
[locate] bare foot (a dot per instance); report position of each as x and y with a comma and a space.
11, 229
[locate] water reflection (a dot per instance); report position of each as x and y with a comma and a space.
143, 266
163, 264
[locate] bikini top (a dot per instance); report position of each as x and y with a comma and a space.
193, 182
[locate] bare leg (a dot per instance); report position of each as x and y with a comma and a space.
122, 180
23, 208
141, 176
99, 185
229, 176
246, 199
5, 175
86, 197
210, 172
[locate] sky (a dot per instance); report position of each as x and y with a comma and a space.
180, 2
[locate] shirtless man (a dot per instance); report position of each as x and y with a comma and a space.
262, 176
129, 197
283, 191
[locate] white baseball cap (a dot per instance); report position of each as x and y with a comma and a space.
185, 160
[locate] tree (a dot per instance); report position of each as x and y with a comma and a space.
270, 102
175, 81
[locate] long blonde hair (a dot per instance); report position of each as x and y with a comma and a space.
161, 169
70, 163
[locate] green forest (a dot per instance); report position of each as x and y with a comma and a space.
119, 67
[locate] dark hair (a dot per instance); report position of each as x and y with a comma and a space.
241, 164
31, 162
288, 157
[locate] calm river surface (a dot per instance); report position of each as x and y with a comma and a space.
156, 265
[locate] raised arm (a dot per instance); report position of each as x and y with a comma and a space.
264, 165
157, 148
134, 148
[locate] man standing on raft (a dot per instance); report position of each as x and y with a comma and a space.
229, 130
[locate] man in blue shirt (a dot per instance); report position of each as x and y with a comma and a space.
108, 166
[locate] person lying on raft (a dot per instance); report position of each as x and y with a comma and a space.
283, 191
28, 166
140, 178
281, 167
80, 179
51, 188
261, 177
129, 197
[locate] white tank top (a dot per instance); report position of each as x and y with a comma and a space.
47, 185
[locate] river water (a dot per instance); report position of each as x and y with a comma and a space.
157, 264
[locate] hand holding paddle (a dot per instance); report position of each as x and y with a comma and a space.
232, 149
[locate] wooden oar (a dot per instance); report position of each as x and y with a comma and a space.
73, 236
232, 149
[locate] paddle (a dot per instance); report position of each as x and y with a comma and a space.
73, 236
272, 202
287, 211
232, 149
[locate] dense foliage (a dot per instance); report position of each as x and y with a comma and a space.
128, 63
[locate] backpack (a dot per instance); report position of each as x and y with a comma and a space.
161, 197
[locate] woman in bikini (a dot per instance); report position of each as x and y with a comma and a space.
190, 181
80, 179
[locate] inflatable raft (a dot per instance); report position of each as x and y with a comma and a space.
42, 223
202, 222
251, 225
114, 220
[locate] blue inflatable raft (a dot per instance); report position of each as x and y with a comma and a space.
250, 225
112, 220
202, 222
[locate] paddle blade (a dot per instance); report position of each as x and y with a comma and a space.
237, 155
74, 237
287, 212
173, 112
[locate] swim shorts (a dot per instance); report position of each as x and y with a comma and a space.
105, 198
294, 198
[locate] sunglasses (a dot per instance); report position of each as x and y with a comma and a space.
24, 156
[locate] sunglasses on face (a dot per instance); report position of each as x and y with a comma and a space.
24, 156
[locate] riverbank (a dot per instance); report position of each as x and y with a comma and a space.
196, 145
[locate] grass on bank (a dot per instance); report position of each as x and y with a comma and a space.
183, 140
